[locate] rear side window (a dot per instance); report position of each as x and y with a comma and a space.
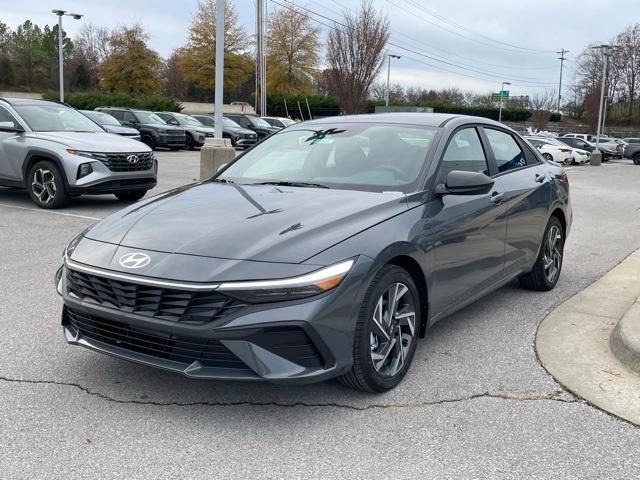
116, 114
465, 153
506, 150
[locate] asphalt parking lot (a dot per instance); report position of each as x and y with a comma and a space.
476, 403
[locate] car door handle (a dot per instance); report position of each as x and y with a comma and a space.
539, 178
496, 197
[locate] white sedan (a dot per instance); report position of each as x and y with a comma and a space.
553, 150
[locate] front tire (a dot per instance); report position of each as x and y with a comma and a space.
386, 332
130, 196
546, 271
46, 185
149, 141
636, 159
191, 144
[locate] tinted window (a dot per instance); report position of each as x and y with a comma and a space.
371, 157
506, 150
117, 114
465, 153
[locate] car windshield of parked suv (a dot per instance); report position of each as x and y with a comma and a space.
149, 117
188, 120
258, 122
227, 122
52, 117
370, 157
101, 118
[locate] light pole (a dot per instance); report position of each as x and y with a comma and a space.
501, 90
60, 14
389, 57
219, 73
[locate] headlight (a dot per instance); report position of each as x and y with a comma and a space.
94, 155
68, 250
288, 288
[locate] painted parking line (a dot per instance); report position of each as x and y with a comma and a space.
52, 212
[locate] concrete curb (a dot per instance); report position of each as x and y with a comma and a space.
573, 342
625, 339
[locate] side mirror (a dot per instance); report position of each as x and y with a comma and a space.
10, 127
459, 182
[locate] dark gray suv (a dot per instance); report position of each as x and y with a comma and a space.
327, 250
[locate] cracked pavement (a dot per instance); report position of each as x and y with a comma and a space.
476, 403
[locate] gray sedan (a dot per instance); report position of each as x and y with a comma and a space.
327, 250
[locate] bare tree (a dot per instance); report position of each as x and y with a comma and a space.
355, 52
542, 104
175, 85
378, 91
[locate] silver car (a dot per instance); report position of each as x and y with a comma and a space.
56, 153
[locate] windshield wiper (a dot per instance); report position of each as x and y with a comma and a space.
222, 180
292, 184
320, 134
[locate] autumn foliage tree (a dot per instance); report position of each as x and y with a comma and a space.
197, 58
355, 52
132, 66
292, 52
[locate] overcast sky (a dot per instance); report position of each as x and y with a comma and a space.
500, 39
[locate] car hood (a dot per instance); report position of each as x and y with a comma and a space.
257, 222
120, 130
239, 130
93, 142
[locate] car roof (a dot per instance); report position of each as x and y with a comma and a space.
412, 118
29, 101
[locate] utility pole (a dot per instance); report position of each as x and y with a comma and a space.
219, 74
596, 156
261, 76
562, 59
389, 57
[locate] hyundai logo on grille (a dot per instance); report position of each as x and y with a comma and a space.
133, 159
134, 260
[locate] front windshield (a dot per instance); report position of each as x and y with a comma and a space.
227, 122
149, 117
101, 118
258, 122
187, 120
287, 121
52, 117
357, 156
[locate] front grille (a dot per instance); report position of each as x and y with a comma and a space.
123, 162
162, 303
175, 132
186, 350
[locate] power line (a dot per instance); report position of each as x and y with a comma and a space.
473, 32
496, 75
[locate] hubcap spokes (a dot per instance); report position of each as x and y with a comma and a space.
552, 253
43, 185
393, 329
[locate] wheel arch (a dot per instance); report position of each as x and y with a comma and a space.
413, 268
35, 156
559, 214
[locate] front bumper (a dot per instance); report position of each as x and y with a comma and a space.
289, 342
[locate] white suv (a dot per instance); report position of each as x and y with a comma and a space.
56, 152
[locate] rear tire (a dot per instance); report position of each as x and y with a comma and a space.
191, 144
130, 196
546, 271
386, 337
46, 185
636, 159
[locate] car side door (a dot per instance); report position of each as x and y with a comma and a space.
467, 232
526, 200
10, 148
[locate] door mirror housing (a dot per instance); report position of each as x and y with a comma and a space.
459, 182
10, 127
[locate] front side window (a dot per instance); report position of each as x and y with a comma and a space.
52, 117
370, 157
8, 119
464, 152
506, 150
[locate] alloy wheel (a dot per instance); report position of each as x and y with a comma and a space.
393, 329
43, 185
552, 258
